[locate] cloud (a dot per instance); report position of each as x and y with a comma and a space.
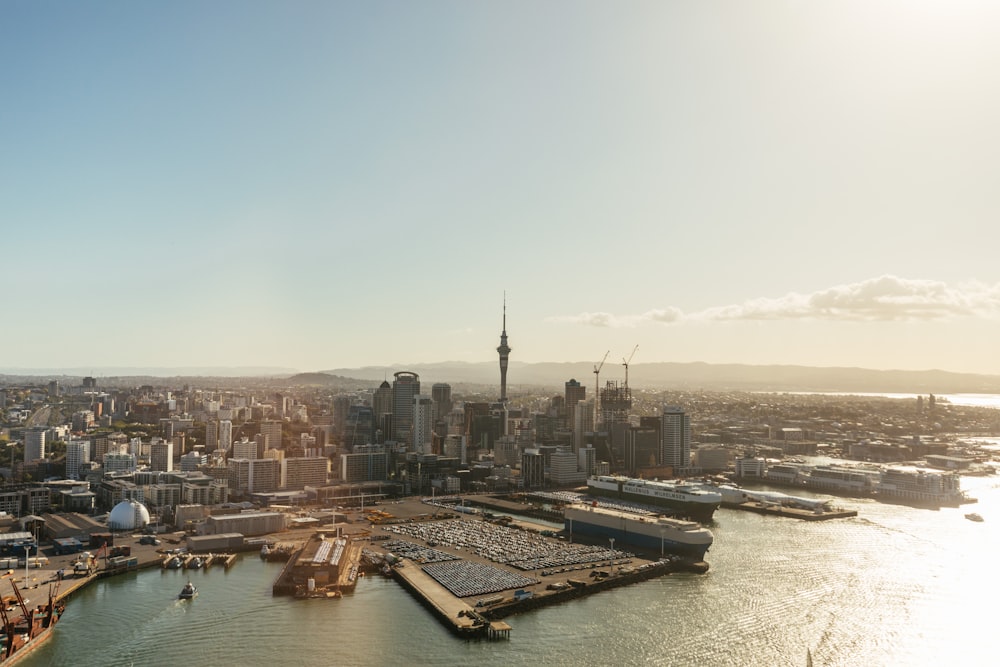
664, 316
886, 298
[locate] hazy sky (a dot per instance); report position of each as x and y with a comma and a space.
331, 184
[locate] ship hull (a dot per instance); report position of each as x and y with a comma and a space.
646, 534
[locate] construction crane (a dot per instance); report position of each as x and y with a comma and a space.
597, 388
625, 363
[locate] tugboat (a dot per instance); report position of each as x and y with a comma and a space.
188, 592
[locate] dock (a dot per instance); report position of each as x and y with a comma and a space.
458, 616
773, 509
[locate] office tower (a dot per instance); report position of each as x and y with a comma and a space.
423, 424
441, 394
575, 392
382, 413
254, 475
587, 460
642, 449
161, 455
583, 422
405, 386
246, 449
369, 463
504, 352
225, 434
675, 438
34, 444
298, 472
211, 435
272, 429
340, 408
532, 469
53, 388
262, 445
77, 455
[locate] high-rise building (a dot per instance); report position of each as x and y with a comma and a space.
369, 463
161, 455
504, 351
77, 455
583, 422
441, 393
575, 392
272, 429
423, 424
405, 386
246, 449
675, 438
211, 435
254, 475
616, 403
587, 460
382, 413
34, 444
532, 469
298, 472
225, 434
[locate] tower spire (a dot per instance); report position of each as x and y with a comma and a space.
504, 352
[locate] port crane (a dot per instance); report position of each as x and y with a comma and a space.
625, 363
597, 388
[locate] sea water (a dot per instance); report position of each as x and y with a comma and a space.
896, 585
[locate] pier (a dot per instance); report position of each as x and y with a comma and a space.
773, 509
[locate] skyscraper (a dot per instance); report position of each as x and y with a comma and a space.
441, 394
575, 392
161, 455
423, 424
405, 386
225, 434
504, 352
211, 435
272, 429
675, 438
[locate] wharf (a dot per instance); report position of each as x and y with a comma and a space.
792, 512
458, 616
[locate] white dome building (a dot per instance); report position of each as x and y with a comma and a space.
128, 515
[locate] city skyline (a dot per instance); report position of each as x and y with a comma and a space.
330, 185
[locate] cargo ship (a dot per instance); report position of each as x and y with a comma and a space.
684, 499
23, 634
649, 532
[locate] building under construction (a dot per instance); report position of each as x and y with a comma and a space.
616, 404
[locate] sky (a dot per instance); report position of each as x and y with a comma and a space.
317, 185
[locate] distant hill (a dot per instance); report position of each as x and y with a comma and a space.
696, 375
485, 377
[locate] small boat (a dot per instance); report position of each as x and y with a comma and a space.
188, 592
972, 516
175, 563
195, 563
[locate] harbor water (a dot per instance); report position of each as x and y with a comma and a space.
896, 585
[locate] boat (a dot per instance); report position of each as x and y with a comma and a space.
26, 632
685, 499
972, 516
188, 592
195, 563
651, 532
174, 563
